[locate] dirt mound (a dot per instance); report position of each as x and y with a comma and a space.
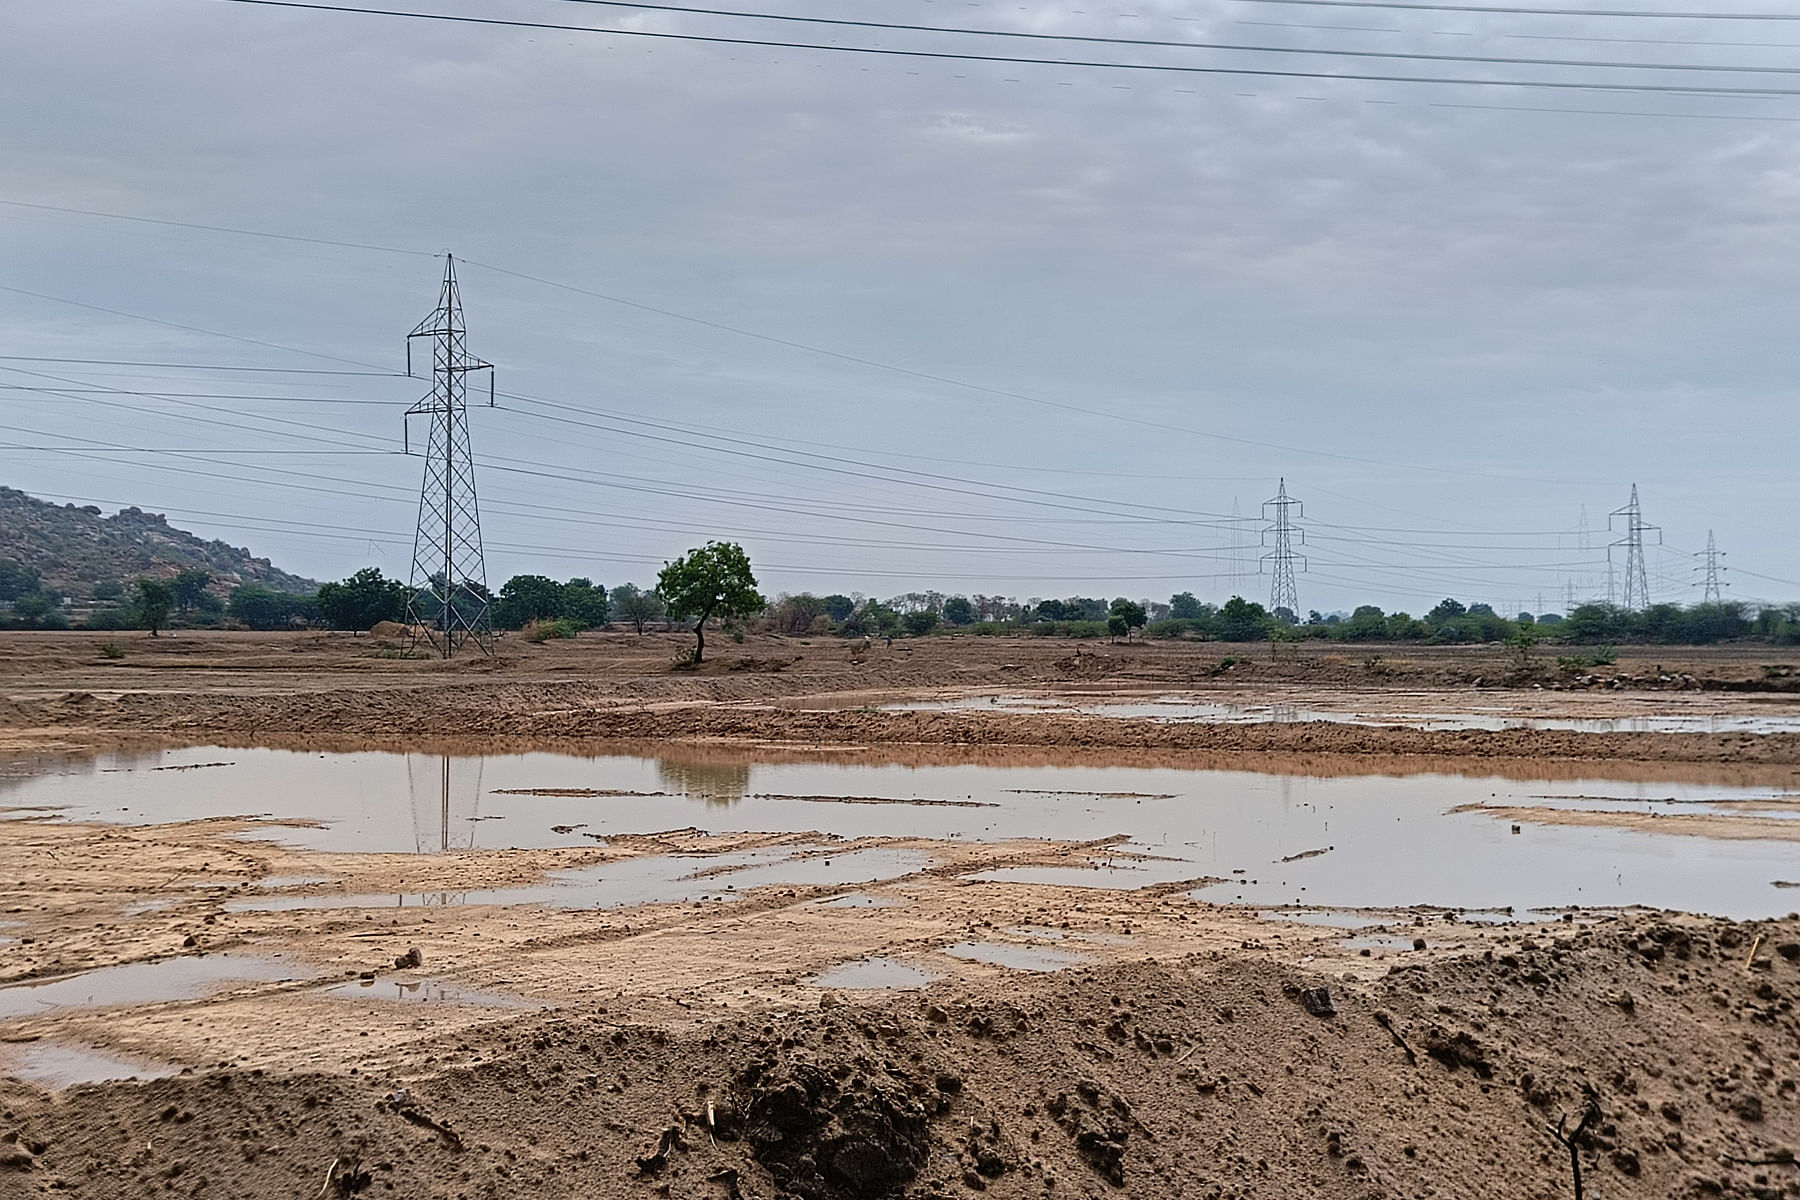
390, 630
1212, 1077
838, 1134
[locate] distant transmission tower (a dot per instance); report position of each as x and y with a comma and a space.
449, 595
1283, 593
1584, 543
1238, 573
1637, 580
1712, 568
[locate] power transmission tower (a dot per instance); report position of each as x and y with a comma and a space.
1584, 543
449, 595
1637, 581
1712, 569
1283, 593
1238, 573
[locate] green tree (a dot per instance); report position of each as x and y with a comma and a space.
1184, 607
16, 579
362, 601
796, 614
1242, 620
188, 587
1447, 609
714, 580
919, 622
585, 601
958, 611
1519, 643
1128, 611
36, 609
154, 600
527, 598
636, 606
839, 607
261, 608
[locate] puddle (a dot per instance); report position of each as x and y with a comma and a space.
859, 900
1396, 841
63, 1064
1018, 958
422, 991
274, 882
653, 879
1176, 709
141, 907
186, 978
886, 974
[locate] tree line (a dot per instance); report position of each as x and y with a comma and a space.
715, 581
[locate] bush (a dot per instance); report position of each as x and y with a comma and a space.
542, 631
108, 620
112, 650
1069, 629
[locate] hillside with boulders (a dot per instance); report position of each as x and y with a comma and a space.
79, 552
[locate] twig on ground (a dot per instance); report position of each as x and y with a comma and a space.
1589, 1115
1387, 1023
1755, 945
329, 1172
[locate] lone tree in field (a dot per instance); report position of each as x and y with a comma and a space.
154, 600
713, 580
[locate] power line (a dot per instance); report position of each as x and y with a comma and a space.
286, 237
119, 362
1172, 43
959, 56
1514, 10
113, 312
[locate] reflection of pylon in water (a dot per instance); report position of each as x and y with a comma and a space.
445, 800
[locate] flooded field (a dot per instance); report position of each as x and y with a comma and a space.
1466, 842
1178, 709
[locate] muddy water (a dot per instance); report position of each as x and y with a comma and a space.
184, 978
64, 1064
659, 879
1175, 709
1350, 841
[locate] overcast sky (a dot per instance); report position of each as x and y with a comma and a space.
1024, 330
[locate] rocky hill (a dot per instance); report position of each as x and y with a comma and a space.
76, 550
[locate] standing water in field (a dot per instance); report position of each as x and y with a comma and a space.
1354, 840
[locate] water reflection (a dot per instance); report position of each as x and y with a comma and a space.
717, 783
445, 795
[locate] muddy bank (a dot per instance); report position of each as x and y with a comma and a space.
1203, 1076
573, 713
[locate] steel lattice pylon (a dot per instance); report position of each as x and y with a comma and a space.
448, 598
1637, 576
1711, 584
1284, 592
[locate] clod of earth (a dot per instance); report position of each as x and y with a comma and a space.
823, 1139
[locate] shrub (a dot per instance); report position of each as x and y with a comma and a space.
112, 650
544, 630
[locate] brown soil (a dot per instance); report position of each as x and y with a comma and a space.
1201, 1075
1178, 1057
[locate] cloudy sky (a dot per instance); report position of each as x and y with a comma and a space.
899, 323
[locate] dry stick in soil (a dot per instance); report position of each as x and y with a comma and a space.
1589, 1115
